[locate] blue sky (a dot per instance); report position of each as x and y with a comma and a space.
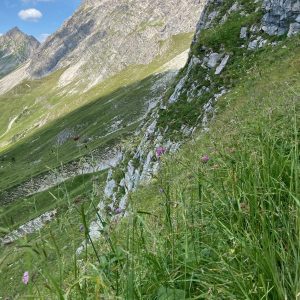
35, 17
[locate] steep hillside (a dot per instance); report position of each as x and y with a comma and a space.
238, 96
143, 56
39, 129
15, 48
230, 37
113, 35
204, 200
104, 37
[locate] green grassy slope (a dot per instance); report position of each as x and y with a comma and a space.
225, 229
92, 121
22, 210
42, 99
28, 150
60, 237
29, 147
127, 101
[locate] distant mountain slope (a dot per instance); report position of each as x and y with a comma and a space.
104, 37
15, 48
101, 40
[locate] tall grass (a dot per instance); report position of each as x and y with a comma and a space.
231, 231
225, 229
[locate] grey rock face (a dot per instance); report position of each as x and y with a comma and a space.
222, 65
15, 48
213, 60
259, 42
104, 37
282, 16
29, 227
294, 28
244, 32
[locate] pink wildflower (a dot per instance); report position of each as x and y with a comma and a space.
160, 151
25, 278
118, 211
204, 159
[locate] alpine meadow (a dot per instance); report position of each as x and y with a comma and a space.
150, 150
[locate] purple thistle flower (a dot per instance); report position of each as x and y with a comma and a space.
204, 159
118, 211
25, 278
160, 151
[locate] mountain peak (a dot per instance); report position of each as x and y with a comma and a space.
15, 31
15, 48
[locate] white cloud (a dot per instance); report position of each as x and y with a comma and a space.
43, 37
30, 14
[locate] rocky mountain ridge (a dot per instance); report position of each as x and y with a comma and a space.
16, 47
227, 33
104, 37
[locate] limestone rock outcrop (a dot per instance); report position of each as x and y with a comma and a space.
281, 17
